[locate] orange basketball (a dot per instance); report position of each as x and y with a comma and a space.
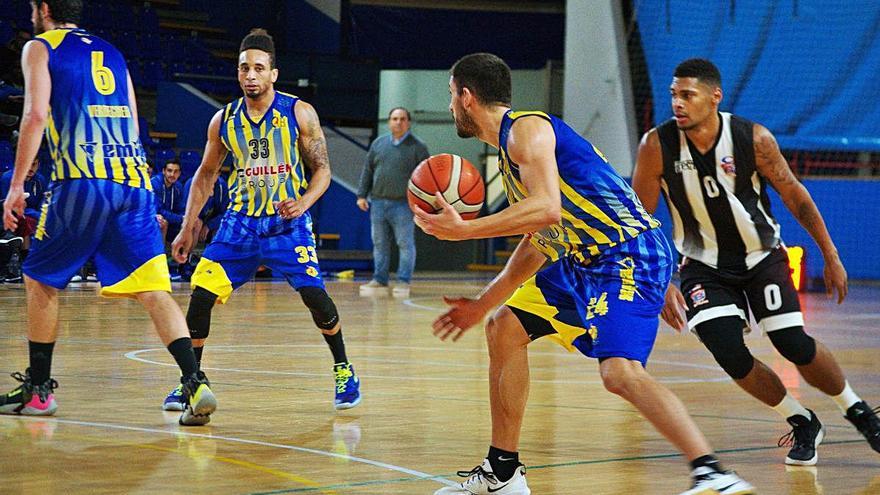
455, 178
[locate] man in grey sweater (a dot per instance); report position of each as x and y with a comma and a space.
389, 163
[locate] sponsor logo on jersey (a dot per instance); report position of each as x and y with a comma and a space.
728, 166
682, 165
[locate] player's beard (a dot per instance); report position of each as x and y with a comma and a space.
464, 125
39, 27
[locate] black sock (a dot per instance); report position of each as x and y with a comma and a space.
198, 352
182, 351
709, 461
503, 463
41, 361
337, 346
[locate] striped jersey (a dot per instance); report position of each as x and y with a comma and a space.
718, 200
91, 130
267, 165
599, 209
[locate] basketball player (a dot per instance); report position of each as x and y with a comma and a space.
713, 169
267, 221
100, 202
600, 294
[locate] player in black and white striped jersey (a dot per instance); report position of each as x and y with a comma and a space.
713, 169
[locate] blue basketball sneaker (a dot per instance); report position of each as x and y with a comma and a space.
175, 401
348, 386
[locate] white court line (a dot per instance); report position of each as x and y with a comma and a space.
135, 356
383, 465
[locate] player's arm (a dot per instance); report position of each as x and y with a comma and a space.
773, 166
648, 171
532, 146
313, 147
467, 312
37, 91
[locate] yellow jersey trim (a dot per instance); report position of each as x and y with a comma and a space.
54, 37
150, 277
528, 297
211, 276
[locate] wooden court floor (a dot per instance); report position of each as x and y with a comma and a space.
425, 410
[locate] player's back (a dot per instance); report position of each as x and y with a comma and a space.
91, 131
599, 208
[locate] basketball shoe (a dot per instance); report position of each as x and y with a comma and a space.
708, 481
200, 400
482, 481
374, 288
804, 437
348, 386
865, 420
175, 401
30, 399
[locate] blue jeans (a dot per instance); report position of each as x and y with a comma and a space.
387, 216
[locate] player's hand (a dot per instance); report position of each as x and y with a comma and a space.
290, 208
674, 308
835, 279
13, 208
446, 225
465, 313
363, 204
182, 244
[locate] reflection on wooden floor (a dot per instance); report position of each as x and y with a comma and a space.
424, 414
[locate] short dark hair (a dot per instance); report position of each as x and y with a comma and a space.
63, 11
408, 117
259, 39
173, 161
486, 75
699, 68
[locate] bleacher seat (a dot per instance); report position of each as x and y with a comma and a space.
7, 156
163, 155
189, 163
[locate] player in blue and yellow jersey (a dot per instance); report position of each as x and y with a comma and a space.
78, 90
273, 137
602, 289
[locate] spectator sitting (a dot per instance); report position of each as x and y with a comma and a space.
170, 200
212, 212
14, 246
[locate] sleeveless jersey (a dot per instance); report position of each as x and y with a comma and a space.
599, 209
267, 165
718, 200
91, 130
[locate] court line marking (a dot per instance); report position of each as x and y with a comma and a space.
135, 356
648, 457
384, 465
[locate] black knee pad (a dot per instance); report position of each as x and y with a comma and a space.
198, 315
321, 306
794, 344
724, 339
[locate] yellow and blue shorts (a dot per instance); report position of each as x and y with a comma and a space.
115, 223
243, 243
607, 306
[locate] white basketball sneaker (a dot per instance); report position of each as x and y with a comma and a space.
482, 481
707, 481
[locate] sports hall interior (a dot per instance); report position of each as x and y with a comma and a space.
803, 68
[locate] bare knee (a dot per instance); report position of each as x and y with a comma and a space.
504, 331
152, 298
623, 377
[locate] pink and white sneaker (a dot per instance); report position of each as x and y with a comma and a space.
30, 399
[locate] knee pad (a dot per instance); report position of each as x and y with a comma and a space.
198, 315
321, 306
794, 344
724, 339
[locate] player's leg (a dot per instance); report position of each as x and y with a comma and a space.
301, 270
380, 232
66, 235
227, 263
401, 219
774, 301
131, 263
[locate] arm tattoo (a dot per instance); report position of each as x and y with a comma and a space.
315, 148
808, 215
767, 153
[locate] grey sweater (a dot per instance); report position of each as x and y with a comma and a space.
387, 167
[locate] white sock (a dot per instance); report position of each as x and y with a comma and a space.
791, 407
846, 398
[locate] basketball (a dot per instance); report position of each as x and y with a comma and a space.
456, 178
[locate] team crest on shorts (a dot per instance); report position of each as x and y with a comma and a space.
698, 296
310, 271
